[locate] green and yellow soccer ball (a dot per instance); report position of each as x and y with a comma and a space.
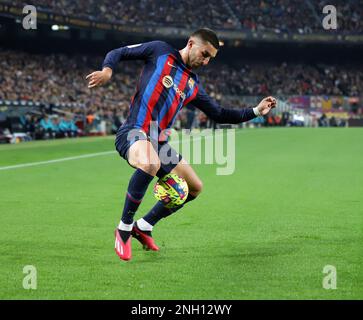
171, 190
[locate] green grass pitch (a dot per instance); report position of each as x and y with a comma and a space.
293, 205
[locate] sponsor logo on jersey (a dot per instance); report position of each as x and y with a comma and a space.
179, 92
168, 82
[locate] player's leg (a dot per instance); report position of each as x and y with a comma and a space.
143, 227
184, 170
143, 157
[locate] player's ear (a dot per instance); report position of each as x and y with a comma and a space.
190, 43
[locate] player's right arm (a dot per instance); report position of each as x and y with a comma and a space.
99, 78
144, 51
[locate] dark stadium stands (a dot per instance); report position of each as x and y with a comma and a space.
60, 79
273, 15
349, 14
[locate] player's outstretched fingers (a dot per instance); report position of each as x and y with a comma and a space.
90, 75
92, 84
272, 102
92, 81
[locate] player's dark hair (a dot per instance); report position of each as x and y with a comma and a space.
207, 35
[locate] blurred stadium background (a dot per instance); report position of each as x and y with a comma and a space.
306, 214
274, 47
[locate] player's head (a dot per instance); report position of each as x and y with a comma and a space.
202, 46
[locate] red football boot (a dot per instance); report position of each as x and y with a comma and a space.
123, 250
144, 237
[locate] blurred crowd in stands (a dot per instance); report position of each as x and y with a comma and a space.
303, 16
58, 83
283, 79
349, 14
60, 79
276, 15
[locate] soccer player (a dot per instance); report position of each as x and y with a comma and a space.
167, 83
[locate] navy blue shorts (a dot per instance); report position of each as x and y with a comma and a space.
127, 135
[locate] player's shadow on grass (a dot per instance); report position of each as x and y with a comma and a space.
149, 257
274, 250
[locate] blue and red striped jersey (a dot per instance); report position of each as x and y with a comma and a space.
165, 86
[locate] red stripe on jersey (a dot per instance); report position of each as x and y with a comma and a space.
174, 106
191, 97
157, 92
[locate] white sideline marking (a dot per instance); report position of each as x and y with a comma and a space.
31, 164
52, 143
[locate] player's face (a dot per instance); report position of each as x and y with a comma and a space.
200, 53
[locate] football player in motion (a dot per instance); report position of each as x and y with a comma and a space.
167, 83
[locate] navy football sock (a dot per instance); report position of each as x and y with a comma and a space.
138, 185
159, 211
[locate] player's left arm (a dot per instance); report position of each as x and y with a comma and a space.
223, 115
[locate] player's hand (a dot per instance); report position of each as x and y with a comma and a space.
266, 104
99, 78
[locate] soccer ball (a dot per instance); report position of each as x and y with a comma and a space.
171, 190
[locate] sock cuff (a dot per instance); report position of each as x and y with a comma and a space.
144, 225
125, 227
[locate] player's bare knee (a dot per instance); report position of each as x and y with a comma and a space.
197, 188
150, 168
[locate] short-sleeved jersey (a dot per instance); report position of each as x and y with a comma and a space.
165, 86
